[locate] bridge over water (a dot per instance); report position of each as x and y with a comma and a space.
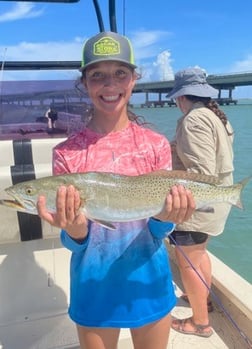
220, 82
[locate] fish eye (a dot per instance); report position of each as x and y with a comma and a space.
29, 190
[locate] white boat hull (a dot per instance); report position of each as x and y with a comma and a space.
34, 280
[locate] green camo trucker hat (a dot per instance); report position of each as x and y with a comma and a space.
107, 46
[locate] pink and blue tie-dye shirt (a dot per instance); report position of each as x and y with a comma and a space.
132, 151
119, 278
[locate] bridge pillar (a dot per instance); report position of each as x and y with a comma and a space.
230, 93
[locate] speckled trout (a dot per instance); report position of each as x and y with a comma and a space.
108, 197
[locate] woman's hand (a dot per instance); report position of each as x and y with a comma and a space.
67, 214
179, 205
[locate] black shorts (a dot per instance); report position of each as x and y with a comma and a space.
187, 238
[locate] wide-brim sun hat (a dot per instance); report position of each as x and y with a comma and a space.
107, 46
192, 81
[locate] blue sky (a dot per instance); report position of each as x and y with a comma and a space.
166, 35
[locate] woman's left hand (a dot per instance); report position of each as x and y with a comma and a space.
179, 205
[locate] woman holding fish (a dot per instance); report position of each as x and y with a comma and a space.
120, 278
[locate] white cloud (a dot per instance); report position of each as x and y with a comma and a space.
146, 44
151, 54
20, 11
44, 51
157, 69
243, 65
154, 64
163, 65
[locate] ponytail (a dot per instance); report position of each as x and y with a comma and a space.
213, 106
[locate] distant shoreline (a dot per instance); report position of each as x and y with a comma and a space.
241, 101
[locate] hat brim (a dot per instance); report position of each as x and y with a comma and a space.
133, 66
199, 90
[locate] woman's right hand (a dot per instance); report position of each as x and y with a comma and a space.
179, 205
67, 215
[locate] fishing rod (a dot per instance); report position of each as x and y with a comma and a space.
112, 16
214, 295
99, 16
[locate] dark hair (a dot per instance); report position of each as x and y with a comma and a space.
213, 106
138, 119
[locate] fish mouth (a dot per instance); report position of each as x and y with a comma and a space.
12, 204
19, 205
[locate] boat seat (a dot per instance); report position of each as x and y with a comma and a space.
23, 160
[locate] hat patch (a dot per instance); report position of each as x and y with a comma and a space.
106, 46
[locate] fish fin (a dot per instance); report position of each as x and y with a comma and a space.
206, 209
240, 186
104, 224
186, 175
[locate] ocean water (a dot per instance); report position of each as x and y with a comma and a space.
234, 245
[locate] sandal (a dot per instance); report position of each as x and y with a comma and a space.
198, 330
210, 306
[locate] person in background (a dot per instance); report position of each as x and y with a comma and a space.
52, 117
119, 278
203, 144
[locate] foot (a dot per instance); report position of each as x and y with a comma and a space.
210, 306
188, 326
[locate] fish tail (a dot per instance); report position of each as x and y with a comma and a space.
238, 187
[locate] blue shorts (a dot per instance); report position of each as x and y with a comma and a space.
187, 238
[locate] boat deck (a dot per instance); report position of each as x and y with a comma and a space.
56, 331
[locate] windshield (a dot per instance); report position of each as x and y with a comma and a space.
40, 90
42, 108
